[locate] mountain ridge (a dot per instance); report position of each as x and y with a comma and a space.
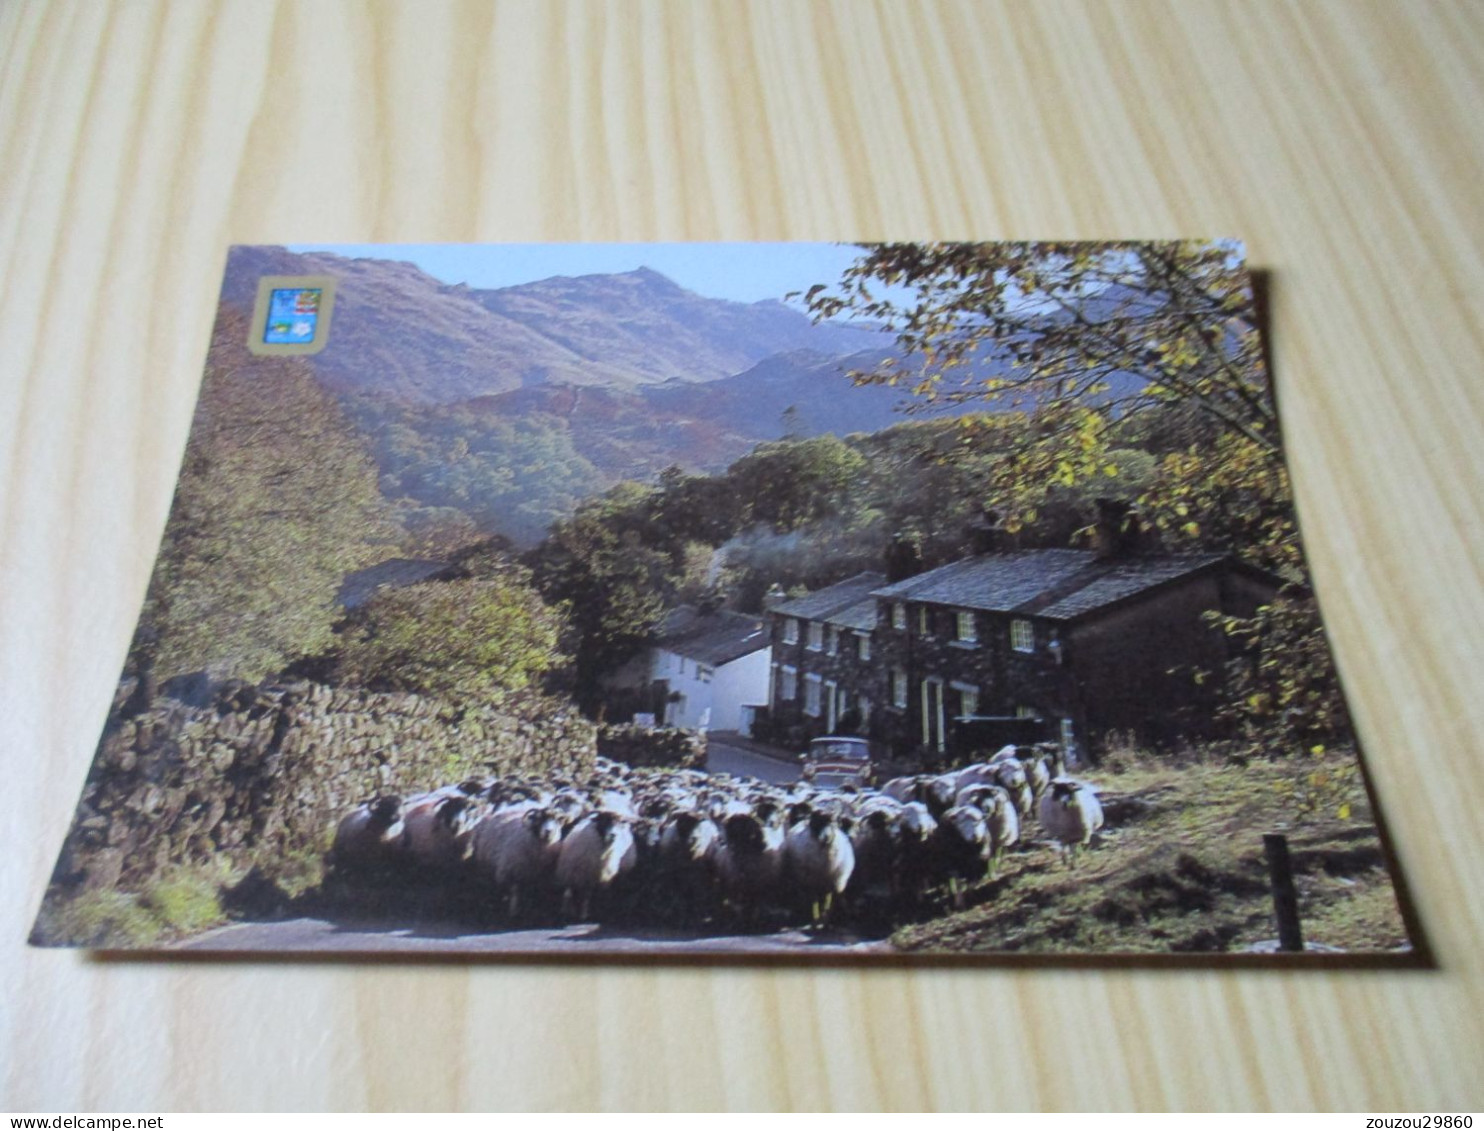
399, 331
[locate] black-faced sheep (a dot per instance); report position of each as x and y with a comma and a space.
597, 850
749, 860
1070, 813
819, 860
518, 849
440, 828
371, 836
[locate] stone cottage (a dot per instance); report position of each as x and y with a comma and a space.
1092, 642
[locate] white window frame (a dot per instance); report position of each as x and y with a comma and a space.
788, 683
816, 637
964, 628
863, 704
704, 672
813, 694
924, 617
832, 640
790, 630
1024, 712
863, 645
900, 687
969, 695
1022, 635
899, 616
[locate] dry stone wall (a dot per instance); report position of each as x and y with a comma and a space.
263, 774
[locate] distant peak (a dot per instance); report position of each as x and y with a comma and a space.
650, 275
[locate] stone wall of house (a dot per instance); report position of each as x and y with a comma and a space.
788, 723
264, 773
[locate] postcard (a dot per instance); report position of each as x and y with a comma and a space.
815, 601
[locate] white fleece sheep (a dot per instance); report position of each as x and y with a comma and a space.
819, 860
517, 847
597, 850
1070, 813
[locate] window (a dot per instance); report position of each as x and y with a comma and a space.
968, 701
964, 628
863, 645
816, 636
832, 641
704, 674
899, 616
898, 687
1022, 636
863, 705
790, 631
924, 621
788, 683
1027, 713
812, 698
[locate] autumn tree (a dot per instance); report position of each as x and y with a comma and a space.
276, 502
475, 639
602, 563
1084, 351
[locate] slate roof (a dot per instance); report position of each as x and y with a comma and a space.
358, 587
1052, 584
848, 603
713, 638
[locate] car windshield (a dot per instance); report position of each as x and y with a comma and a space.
853, 750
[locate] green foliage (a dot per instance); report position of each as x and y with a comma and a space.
276, 503
186, 900
1133, 370
511, 477
1282, 696
608, 566
99, 919
468, 640
791, 483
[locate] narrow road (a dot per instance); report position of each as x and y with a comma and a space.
729, 757
725, 754
584, 939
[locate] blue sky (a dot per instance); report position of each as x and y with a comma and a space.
743, 272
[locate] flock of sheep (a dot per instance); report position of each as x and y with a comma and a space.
686, 846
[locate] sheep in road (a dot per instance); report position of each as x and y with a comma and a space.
517, 848
749, 860
373, 835
1071, 813
440, 827
599, 849
819, 860
688, 847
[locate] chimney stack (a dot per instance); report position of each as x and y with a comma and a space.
1118, 531
903, 558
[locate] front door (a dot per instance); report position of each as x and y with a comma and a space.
932, 714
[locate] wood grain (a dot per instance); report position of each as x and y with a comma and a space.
1340, 138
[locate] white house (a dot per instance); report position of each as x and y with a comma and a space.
706, 666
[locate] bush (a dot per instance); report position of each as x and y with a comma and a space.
653, 746
466, 640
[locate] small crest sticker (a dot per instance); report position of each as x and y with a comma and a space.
292, 314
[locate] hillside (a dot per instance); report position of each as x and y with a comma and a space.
400, 333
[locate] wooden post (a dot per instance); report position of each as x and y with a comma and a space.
1285, 895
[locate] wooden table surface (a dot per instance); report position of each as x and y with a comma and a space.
1340, 138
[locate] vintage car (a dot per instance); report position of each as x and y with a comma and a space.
836, 761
